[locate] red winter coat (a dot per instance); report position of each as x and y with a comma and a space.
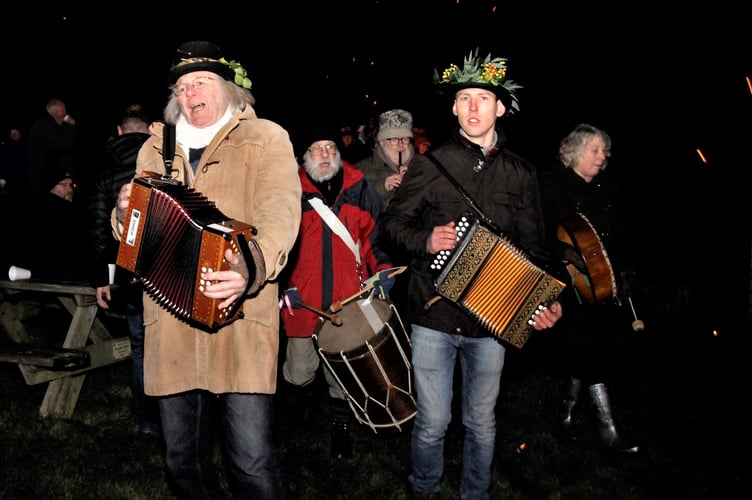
322, 266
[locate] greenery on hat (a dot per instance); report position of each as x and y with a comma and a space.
488, 72
241, 76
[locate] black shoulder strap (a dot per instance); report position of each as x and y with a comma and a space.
468, 199
168, 148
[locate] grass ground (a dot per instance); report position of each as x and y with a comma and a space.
682, 401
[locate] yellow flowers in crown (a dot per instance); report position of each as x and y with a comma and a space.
241, 76
486, 72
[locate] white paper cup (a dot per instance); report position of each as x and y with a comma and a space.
18, 273
112, 273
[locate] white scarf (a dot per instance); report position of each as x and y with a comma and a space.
190, 137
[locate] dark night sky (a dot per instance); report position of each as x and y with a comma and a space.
661, 83
639, 74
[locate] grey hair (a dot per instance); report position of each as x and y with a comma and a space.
571, 147
238, 98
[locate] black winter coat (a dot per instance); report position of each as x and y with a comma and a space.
504, 186
564, 193
119, 168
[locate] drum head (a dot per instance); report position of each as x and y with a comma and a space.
361, 321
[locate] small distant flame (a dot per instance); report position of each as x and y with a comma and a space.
702, 156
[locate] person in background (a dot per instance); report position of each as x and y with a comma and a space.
367, 131
384, 170
117, 166
246, 166
421, 219
392, 153
324, 268
55, 251
349, 147
14, 167
422, 141
593, 339
52, 142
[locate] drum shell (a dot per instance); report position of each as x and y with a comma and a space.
370, 362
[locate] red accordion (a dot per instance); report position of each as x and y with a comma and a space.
171, 235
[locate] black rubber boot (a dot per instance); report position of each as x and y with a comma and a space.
571, 396
341, 423
607, 434
297, 404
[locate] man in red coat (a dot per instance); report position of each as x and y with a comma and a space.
326, 267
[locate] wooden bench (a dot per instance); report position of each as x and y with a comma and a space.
88, 344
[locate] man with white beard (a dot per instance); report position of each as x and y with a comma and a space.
324, 268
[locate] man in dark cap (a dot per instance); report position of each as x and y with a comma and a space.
246, 165
325, 267
51, 239
420, 219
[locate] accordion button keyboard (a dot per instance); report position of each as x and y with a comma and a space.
461, 227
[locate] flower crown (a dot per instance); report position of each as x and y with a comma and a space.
241, 76
487, 73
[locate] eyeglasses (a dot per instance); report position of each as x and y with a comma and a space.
397, 140
318, 150
198, 83
67, 184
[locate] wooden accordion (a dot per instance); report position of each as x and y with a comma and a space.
494, 281
171, 235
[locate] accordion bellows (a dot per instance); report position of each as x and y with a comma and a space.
494, 281
173, 234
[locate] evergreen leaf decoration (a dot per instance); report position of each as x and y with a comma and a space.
486, 72
241, 76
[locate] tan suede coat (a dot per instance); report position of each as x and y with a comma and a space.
249, 171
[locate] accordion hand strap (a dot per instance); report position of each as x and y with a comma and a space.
168, 148
468, 199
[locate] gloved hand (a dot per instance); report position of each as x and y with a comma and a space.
292, 297
382, 283
573, 256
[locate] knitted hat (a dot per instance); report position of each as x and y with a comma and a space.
319, 130
55, 176
395, 123
488, 73
205, 56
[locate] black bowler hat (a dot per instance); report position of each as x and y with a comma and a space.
199, 56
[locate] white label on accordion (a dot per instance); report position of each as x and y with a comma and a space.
220, 227
130, 238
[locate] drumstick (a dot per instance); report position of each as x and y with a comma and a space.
637, 325
331, 317
337, 306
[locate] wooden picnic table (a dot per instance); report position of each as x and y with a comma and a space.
88, 343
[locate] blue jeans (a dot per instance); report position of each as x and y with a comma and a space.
434, 355
247, 424
145, 407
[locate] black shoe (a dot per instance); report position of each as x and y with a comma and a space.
151, 430
419, 495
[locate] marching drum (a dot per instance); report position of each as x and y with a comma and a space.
368, 355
